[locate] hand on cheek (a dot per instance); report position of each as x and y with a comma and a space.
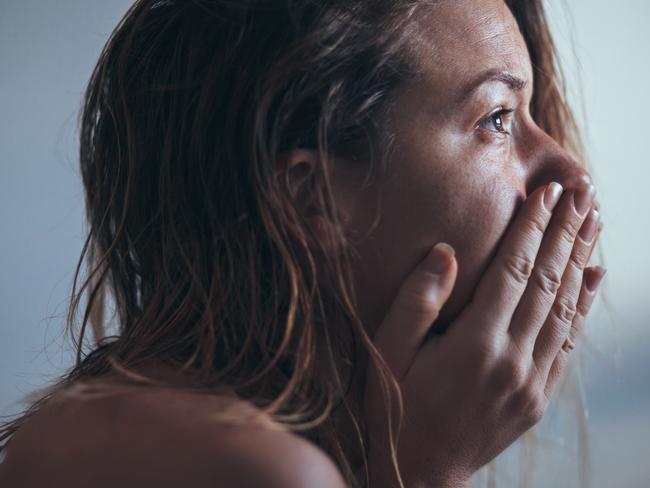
471, 392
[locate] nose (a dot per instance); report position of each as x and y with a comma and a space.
548, 161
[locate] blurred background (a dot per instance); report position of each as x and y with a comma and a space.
47, 51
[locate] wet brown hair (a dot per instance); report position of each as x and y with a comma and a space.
196, 243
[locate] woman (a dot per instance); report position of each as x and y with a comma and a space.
343, 243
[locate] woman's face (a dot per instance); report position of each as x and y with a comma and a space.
460, 167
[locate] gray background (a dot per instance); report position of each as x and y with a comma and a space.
47, 50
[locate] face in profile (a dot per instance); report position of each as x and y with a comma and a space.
466, 153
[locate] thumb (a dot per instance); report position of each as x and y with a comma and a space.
417, 304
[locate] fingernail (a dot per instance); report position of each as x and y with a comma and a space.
593, 280
589, 226
552, 195
442, 255
582, 198
596, 205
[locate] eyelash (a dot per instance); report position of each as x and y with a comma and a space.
493, 117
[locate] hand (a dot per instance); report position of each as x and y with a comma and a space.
472, 391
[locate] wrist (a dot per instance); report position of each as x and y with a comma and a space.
377, 482
415, 472
383, 475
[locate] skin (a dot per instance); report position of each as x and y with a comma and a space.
455, 177
444, 169
517, 286
160, 438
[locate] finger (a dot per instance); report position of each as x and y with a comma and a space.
600, 228
417, 304
558, 323
590, 284
505, 280
555, 251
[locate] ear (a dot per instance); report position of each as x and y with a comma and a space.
294, 170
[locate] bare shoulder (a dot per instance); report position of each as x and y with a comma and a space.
162, 439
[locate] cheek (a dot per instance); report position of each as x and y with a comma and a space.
480, 216
468, 204
479, 211
438, 191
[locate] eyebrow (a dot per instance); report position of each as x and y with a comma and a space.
513, 82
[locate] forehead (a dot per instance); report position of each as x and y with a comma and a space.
456, 39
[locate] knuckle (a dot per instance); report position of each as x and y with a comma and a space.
548, 279
583, 307
418, 297
481, 356
528, 403
519, 266
536, 413
579, 257
568, 230
564, 309
414, 302
509, 375
535, 225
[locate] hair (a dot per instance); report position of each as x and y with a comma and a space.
196, 243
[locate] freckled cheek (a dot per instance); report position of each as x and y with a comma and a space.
470, 207
480, 223
474, 225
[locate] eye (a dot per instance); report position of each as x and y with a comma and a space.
497, 122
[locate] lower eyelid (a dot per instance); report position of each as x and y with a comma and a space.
490, 136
